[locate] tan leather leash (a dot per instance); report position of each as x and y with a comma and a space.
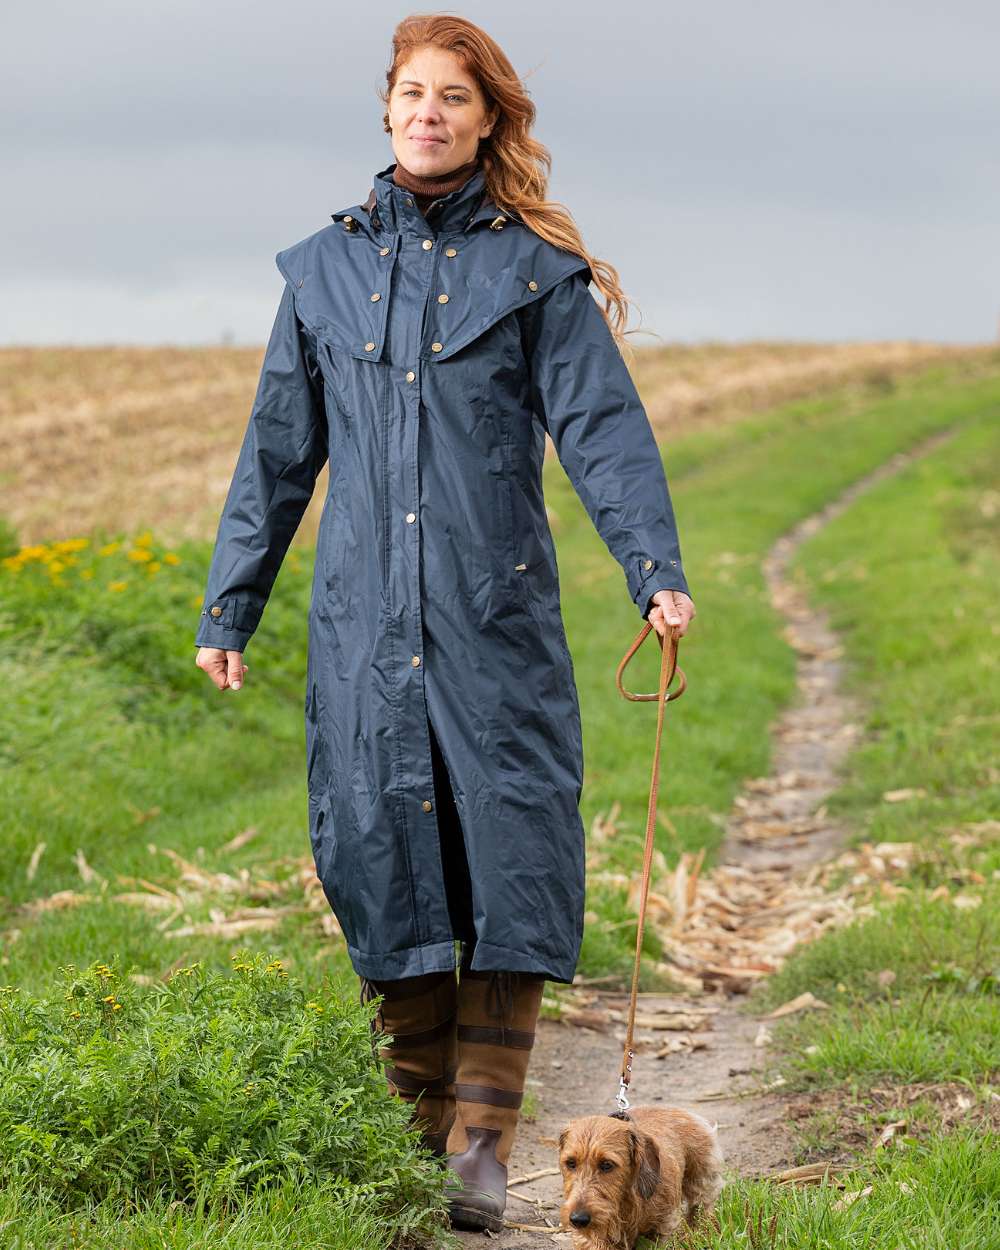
668, 666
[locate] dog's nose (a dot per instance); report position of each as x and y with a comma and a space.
580, 1219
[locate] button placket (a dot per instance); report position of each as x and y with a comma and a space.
441, 299
412, 553
381, 297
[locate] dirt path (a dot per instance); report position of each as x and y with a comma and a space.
777, 828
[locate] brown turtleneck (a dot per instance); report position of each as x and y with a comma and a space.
426, 190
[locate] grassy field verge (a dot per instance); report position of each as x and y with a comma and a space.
123, 767
904, 1058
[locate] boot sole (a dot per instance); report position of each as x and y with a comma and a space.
476, 1221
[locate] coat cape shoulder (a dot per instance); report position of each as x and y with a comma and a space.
330, 269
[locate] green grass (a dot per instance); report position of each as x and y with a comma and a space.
289, 1215
937, 1195
910, 575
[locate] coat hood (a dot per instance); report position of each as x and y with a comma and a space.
342, 274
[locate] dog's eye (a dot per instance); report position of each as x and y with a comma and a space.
605, 1165
570, 1163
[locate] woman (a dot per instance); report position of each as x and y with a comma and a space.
425, 342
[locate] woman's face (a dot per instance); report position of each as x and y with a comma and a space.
437, 113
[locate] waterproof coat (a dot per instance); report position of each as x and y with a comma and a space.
426, 357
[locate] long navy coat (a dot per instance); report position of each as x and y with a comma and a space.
427, 357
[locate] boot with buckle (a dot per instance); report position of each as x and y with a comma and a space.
497, 1012
421, 1057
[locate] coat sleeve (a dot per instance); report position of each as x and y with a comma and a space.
284, 449
584, 395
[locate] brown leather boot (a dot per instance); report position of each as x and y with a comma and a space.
420, 1061
497, 1012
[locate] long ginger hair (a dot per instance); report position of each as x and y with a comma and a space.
516, 166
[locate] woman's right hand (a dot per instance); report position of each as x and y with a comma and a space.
226, 668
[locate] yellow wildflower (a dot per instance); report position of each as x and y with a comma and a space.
153, 566
143, 540
171, 557
140, 555
117, 585
56, 566
87, 573
108, 549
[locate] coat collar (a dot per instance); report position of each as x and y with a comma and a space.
393, 208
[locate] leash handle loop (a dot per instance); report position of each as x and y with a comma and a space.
668, 667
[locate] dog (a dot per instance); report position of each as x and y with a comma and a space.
636, 1173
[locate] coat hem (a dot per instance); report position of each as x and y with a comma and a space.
413, 961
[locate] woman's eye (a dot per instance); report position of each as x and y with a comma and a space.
457, 98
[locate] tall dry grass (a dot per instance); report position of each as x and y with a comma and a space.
123, 438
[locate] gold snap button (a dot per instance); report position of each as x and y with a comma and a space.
427, 805
383, 251
647, 564
369, 347
427, 244
376, 297
216, 611
450, 251
410, 376
442, 299
532, 285
415, 661
410, 518
436, 347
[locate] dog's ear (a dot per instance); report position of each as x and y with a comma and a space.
645, 1163
562, 1140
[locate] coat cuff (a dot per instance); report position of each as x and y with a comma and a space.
644, 582
222, 626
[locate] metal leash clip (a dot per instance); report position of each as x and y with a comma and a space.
621, 1098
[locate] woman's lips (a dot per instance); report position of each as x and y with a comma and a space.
424, 139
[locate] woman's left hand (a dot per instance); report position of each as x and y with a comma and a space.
671, 607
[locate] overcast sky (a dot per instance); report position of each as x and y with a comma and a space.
792, 169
